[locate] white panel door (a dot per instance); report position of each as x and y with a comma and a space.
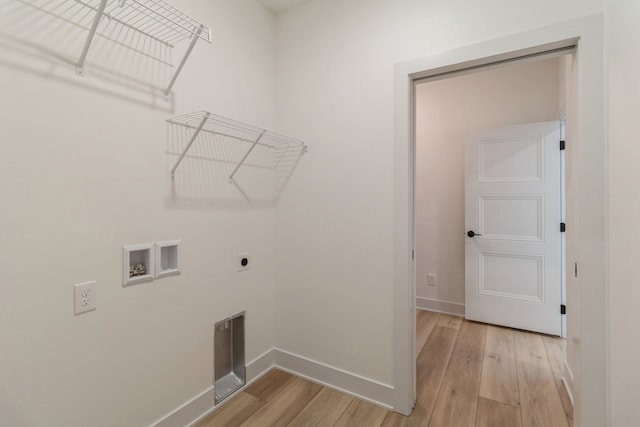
513, 238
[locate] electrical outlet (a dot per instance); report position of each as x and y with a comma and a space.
244, 262
84, 297
432, 279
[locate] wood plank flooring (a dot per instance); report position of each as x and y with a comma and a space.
469, 374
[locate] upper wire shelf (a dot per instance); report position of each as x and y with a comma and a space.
205, 122
155, 19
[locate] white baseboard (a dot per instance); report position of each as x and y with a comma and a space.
187, 412
334, 378
201, 406
567, 381
439, 306
260, 365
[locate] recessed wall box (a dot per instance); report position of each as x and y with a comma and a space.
137, 264
167, 258
228, 355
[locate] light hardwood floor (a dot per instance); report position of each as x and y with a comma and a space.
469, 374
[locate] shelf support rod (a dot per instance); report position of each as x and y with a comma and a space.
194, 39
92, 32
186, 148
245, 156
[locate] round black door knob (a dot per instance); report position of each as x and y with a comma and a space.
471, 233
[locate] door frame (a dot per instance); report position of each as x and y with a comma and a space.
589, 164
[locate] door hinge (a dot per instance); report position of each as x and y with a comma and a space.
563, 145
413, 255
563, 227
563, 309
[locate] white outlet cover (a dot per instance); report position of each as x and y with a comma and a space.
242, 257
84, 297
432, 280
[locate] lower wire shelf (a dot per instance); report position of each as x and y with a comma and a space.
251, 137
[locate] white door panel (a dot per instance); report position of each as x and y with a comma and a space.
495, 213
511, 276
512, 203
510, 159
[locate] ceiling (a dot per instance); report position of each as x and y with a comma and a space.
277, 6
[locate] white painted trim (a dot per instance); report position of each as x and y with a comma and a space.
334, 378
260, 365
440, 306
567, 380
563, 209
568, 371
568, 388
587, 34
188, 411
201, 406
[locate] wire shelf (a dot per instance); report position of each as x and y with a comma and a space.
203, 122
153, 18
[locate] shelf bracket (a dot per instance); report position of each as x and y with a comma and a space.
92, 32
192, 43
245, 156
188, 146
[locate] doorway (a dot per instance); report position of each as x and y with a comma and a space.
586, 215
487, 158
512, 112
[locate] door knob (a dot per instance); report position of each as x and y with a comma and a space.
471, 233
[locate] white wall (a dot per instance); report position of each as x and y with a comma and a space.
446, 110
335, 224
624, 209
84, 171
